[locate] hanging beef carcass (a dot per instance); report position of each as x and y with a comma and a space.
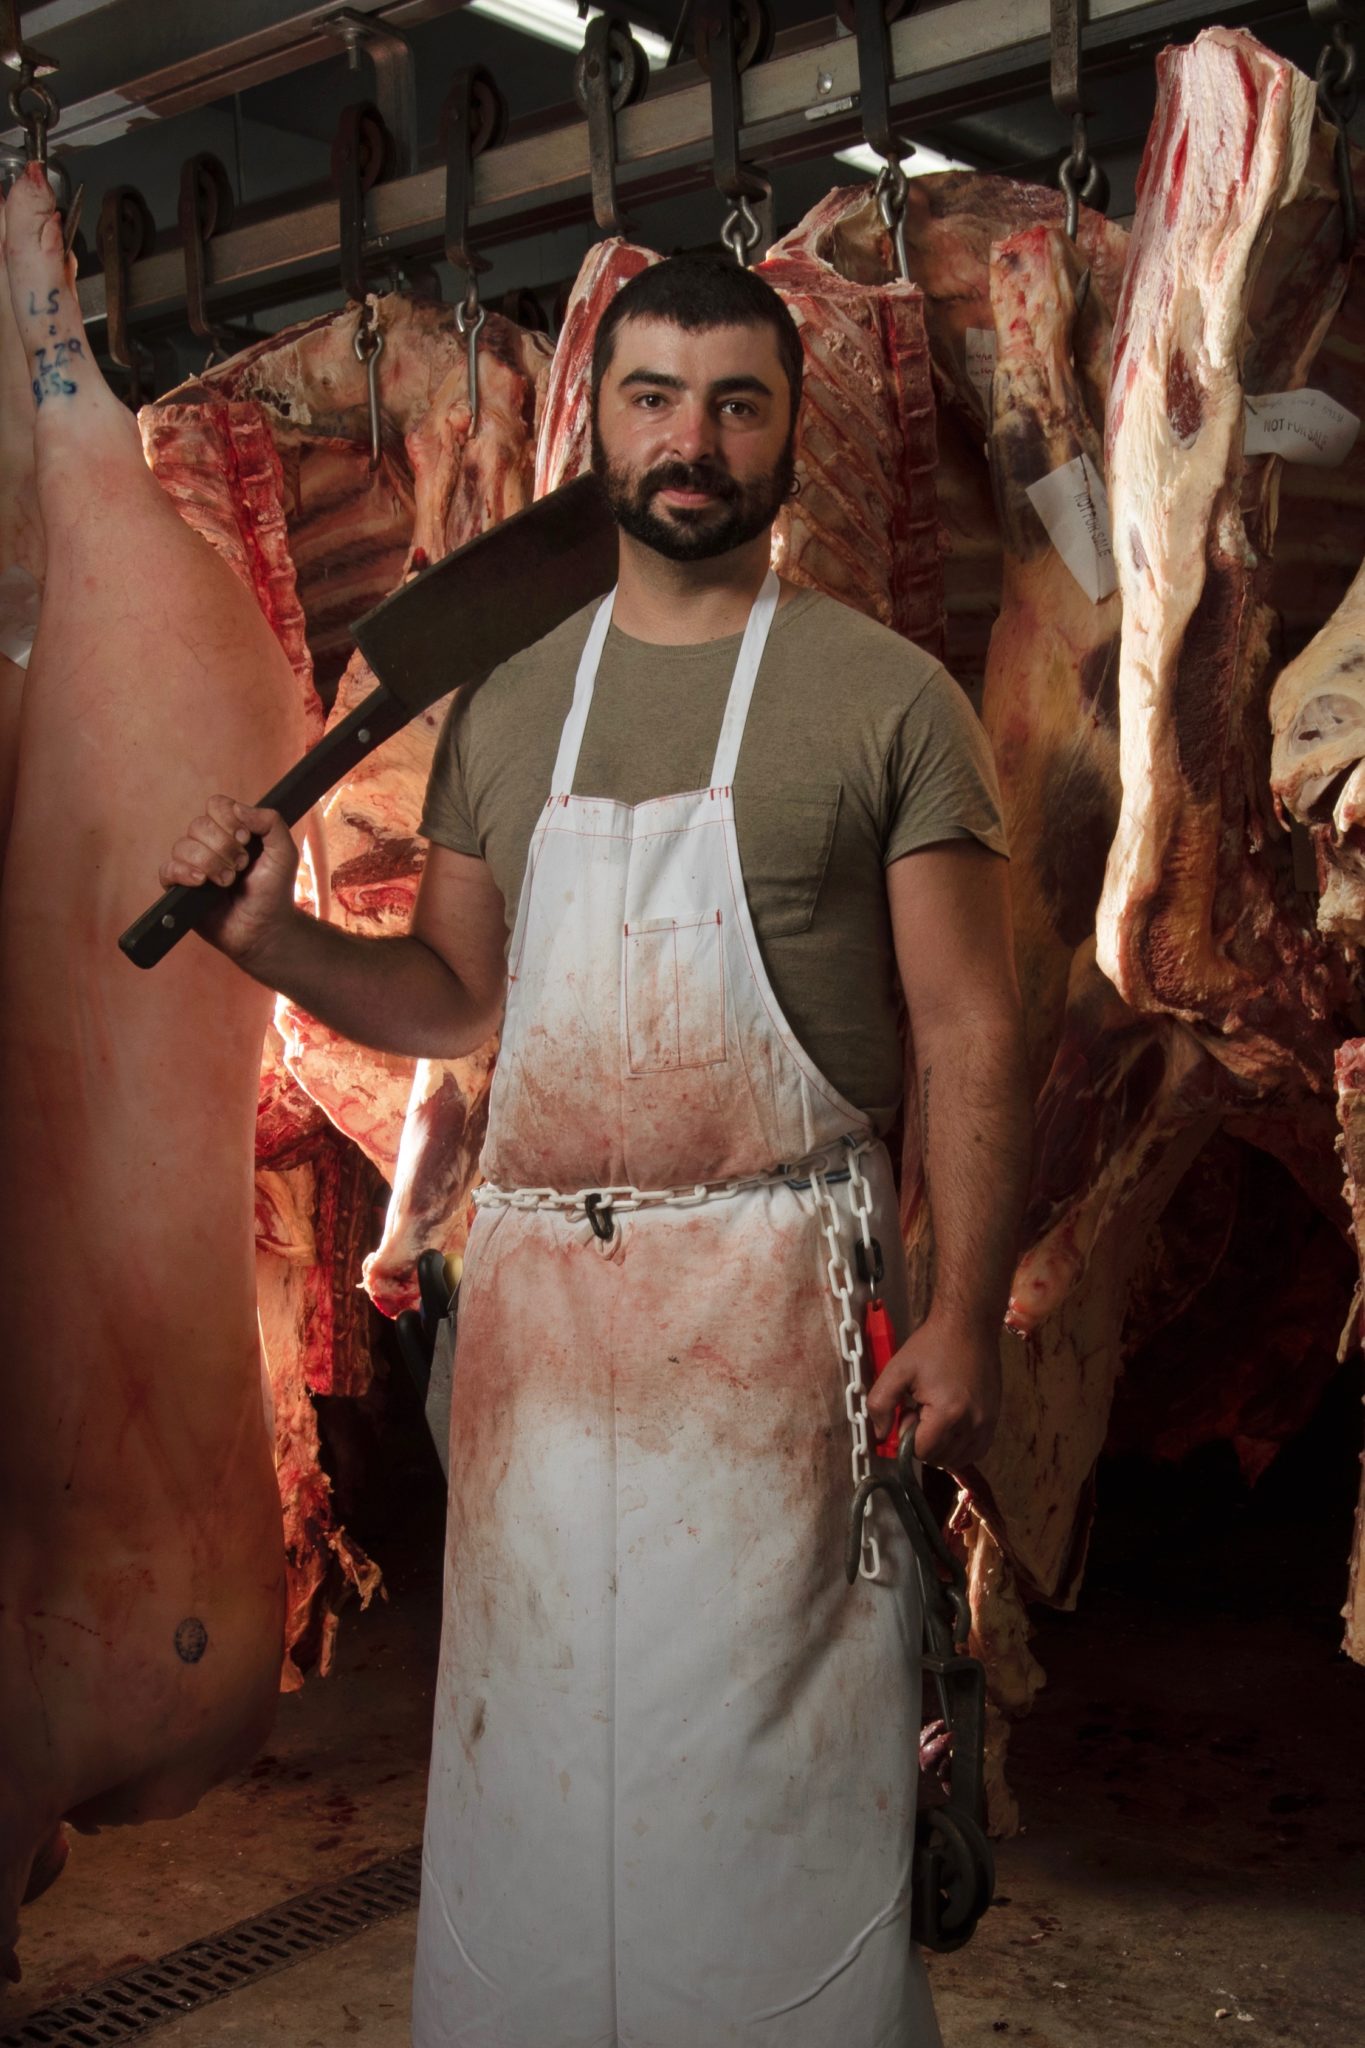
463, 483
142, 1563
1046, 704
864, 527
1129, 1099
1317, 713
1135, 1092
1196, 917
354, 532
1350, 1080
1222, 884
216, 461
952, 220
564, 447
1049, 699
316, 1196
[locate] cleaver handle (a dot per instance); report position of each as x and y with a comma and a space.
377, 718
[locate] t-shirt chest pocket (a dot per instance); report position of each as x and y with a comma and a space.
785, 839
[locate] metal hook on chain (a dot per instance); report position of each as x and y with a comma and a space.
732, 35
41, 112
369, 347
469, 318
1080, 177
890, 190
742, 231
1074, 173
1339, 97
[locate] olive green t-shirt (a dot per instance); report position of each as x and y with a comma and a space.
859, 748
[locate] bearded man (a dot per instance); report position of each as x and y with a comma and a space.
684, 847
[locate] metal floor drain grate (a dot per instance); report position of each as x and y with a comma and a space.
125, 2008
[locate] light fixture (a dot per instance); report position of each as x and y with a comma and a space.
920, 165
558, 21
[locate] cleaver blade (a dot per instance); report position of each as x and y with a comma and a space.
447, 628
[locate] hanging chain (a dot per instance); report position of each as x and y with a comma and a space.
742, 232
850, 1330
1339, 96
469, 318
889, 191
34, 106
369, 347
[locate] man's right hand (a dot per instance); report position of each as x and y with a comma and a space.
258, 896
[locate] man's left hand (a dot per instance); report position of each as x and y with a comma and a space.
946, 1379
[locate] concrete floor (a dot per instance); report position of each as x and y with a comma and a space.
1192, 1867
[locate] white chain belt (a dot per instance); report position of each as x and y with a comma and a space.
832, 1164
625, 1200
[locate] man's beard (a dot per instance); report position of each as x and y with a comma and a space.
739, 512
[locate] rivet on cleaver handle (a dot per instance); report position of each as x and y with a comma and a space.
377, 718
451, 625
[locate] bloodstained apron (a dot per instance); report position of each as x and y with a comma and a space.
675, 1759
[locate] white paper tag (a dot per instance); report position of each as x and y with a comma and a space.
21, 598
1301, 426
1073, 506
981, 360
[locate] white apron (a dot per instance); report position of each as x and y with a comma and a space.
675, 1761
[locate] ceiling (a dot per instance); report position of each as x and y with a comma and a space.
145, 84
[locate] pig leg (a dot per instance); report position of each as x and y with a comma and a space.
21, 534
141, 1552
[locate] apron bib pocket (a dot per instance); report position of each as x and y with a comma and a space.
674, 993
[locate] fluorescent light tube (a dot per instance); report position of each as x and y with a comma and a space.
920, 165
556, 21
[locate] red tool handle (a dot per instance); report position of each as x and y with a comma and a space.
879, 1336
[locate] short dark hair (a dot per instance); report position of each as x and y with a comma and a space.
694, 292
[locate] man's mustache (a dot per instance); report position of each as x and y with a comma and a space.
684, 476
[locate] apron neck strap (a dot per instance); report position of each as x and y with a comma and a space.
736, 708
575, 725
742, 688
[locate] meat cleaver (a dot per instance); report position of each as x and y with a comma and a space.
450, 626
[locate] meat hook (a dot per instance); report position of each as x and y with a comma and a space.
469, 318
890, 195
369, 347
871, 22
742, 231
473, 119
730, 35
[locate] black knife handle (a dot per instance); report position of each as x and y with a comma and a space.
372, 722
150, 939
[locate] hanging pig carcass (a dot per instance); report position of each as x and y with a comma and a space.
142, 1563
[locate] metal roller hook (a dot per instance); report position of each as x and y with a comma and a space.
35, 106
